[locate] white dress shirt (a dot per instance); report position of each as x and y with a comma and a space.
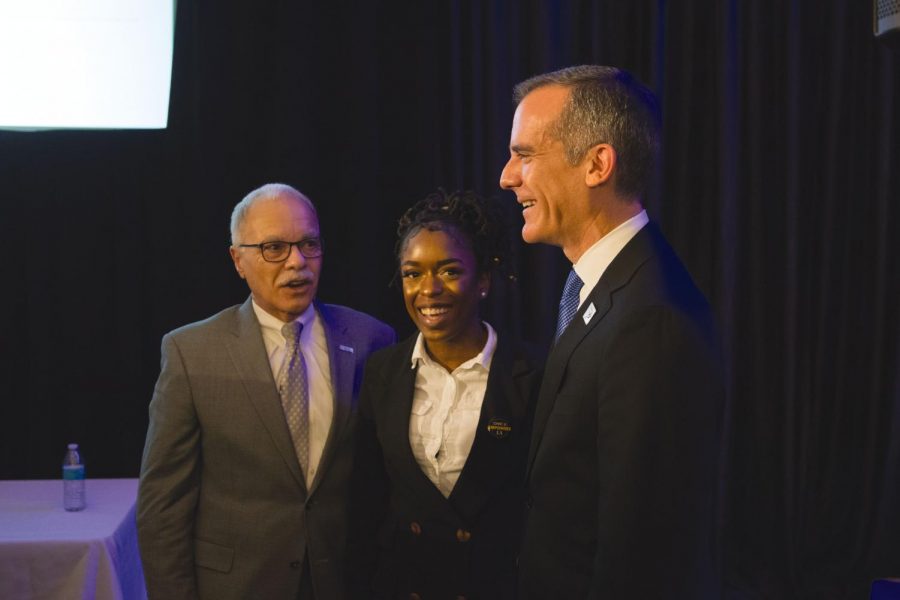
314, 347
594, 262
445, 411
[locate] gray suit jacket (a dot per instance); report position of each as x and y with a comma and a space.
223, 509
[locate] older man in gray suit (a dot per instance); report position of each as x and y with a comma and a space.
244, 481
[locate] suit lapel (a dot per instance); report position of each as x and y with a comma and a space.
398, 394
635, 253
504, 403
342, 365
248, 353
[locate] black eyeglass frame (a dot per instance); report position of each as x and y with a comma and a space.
306, 251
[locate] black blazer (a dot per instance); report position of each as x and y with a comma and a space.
622, 474
406, 537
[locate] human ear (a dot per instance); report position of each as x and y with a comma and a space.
601, 163
236, 259
484, 285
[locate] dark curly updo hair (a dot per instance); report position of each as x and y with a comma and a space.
477, 220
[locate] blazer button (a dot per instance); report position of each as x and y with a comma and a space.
295, 564
529, 502
463, 536
415, 528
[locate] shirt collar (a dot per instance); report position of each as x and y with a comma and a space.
482, 359
596, 259
274, 324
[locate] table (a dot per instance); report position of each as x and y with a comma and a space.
48, 553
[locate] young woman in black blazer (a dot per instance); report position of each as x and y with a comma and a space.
444, 421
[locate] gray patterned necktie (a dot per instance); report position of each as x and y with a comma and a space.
568, 304
295, 393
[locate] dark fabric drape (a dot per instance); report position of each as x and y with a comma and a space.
779, 188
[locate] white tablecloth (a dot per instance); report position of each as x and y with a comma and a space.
47, 553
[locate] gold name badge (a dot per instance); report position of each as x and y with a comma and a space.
499, 428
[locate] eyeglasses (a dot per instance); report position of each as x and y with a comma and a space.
279, 251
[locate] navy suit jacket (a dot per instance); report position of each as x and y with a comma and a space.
623, 465
408, 538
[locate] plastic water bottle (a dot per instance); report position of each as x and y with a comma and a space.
73, 480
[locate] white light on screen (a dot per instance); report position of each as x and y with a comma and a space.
85, 64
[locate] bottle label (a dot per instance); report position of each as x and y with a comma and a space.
73, 472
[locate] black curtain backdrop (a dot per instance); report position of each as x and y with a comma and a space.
779, 188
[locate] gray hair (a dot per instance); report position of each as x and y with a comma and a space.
265, 192
605, 105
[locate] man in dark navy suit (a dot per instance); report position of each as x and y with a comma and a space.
623, 465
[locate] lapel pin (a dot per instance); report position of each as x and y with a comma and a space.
346, 348
589, 313
499, 427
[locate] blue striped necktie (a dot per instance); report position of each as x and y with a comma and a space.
568, 304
